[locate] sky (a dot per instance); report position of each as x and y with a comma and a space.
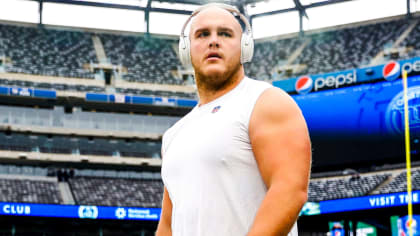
171, 24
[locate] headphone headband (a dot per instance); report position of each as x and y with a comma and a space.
227, 7
247, 43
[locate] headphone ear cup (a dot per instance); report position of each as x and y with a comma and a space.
247, 48
184, 51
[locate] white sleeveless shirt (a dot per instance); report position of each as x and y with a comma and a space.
209, 168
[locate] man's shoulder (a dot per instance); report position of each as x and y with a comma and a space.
270, 93
277, 102
258, 83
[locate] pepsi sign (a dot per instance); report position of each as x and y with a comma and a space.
335, 80
411, 66
304, 85
391, 70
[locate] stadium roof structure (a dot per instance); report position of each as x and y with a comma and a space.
238, 3
147, 7
232, 2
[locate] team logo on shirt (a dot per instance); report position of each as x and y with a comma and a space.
215, 109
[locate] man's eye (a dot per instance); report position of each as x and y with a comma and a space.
225, 34
203, 34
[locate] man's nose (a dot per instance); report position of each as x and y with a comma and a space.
214, 41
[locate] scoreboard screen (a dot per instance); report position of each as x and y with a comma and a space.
361, 123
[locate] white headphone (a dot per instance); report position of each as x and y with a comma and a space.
247, 42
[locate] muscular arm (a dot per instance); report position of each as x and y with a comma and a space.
164, 226
282, 149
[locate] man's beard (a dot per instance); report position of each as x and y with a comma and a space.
216, 81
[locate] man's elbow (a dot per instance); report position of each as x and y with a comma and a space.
302, 197
295, 192
163, 230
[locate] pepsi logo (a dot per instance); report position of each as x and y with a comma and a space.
304, 84
413, 224
391, 70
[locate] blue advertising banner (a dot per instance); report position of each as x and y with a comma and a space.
28, 92
142, 100
24, 92
96, 97
135, 213
4, 90
81, 212
145, 100
389, 71
186, 102
306, 84
367, 202
359, 203
161, 101
45, 94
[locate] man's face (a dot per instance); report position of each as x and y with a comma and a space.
215, 43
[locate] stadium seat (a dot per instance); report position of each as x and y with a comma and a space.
39, 51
